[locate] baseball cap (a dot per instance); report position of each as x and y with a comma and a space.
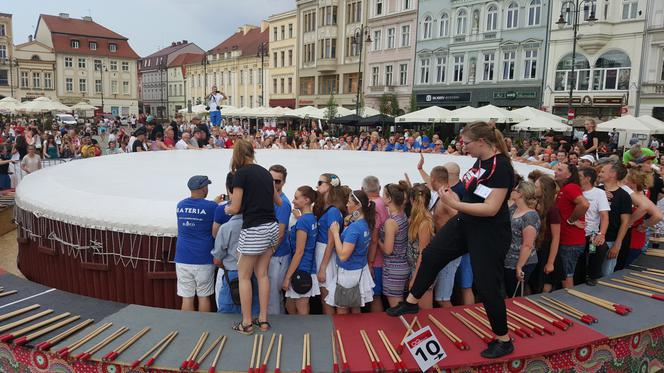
633, 141
198, 182
150, 119
425, 139
588, 158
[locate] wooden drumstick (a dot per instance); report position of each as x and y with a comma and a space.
197, 349
24, 320
393, 354
259, 353
253, 354
138, 361
335, 362
402, 365
484, 336
461, 345
632, 281
304, 354
537, 328
199, 360
6, 293
25, 339
550, 312
308, 366
630, 290
64, 352
160, 350
125, 345
557, 323
213, 367
277, 368
9, 336
373, 351
344, 362
617, 308
521, 332
651, 278
46, 345
104, 342
409, 329
21, 311
267, 354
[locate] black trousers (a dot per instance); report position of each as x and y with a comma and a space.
487, 243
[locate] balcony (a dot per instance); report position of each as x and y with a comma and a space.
382, 89
652, 89
459, 39
326, 64
489, 35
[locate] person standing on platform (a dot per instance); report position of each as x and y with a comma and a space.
420, 232
300, 282
254, 196
548, 272
193, 259
597, 222
572, 206
393, 244
214, 100
371, 186
281, 257
620, 203
481, 228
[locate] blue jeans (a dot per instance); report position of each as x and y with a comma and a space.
569, 255
609, 264
215, 117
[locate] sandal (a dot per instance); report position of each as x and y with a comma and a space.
263, 325
244, 329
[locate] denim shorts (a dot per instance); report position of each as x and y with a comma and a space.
569, 255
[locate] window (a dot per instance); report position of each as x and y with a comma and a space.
310, 21
98, 85
629, 9
444, 30
3, 52
375, 79
508, 65
489, 66
82, 85
290, 57
92, 45
274, 33
114, 65
492, 18
283, 85
3, 30
125, 66
283, 32
513, 15
352, 49
69, 84
462, 22
564, 79
36, 80
405, 36
24, 79
407, 4
48, 81
276, 59
75, 44
616, 68
588, 10
441, 63
390, 37
328, 16
376, 40
114, 87
4, 77
427, 27
241, 77
354, 12
531, 64
328, 84
113, 48
403, 74
458, 68
125, 88
424, 70
283, 58
388, 74
81, 63
290, 30
328, 48
241, 101
379, 7
307, 85
69, 62
274, 85
535, 12
309, 52
251, 76
290, 85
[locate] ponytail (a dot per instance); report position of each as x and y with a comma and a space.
490, 134
500, 142
369, 213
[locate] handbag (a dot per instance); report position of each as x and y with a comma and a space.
301, 281
234, 287
348, 297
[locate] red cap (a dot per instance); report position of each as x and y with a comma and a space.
628, 308
194, 366
458, 345
113, 356
587, 319
560, 325
466, 346
567, 321
538, 330
212, 370
40, 346
6, 337
107, 356
149, 362
135, 364
621, 311
519, 333
304, 370
346, 367
251, 370
263, 368
399, 349
526, 332
63, 352
308, 369
374, 366
335, 368
20, 341
184, 364
277, 370
657, 296
548, 331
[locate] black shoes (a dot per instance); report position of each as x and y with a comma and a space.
498, 349
403, 308
591, 282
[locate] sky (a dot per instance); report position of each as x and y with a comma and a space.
151, 24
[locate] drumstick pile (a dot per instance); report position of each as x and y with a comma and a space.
344, 362
85, 355
113, 354
15, 334
399, 365
567, 309
194, 352
155, 350
479, 332
516, 329
458, 342
375, 360
620, 309
555, 322
654, 291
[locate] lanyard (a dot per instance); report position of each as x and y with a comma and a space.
469, 177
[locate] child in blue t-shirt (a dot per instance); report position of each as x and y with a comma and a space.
302, 269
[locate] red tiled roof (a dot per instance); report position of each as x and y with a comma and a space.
248, 43
186, 59
73, 26
153, 59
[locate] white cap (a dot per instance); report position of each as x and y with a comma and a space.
588, 158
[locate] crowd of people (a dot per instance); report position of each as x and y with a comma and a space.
399, 247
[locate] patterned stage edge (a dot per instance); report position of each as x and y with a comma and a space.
638, 353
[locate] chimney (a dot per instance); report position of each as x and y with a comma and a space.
30, 37
173, 44
264, 26
87, 18
64, 15
184, 41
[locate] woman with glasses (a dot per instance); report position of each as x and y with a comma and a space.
328, 209
393, 244
351, 247
481, 228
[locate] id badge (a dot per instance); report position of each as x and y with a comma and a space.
483, 191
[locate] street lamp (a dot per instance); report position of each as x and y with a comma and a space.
358, 41
263, 51
573, 14
101, 68
12, 62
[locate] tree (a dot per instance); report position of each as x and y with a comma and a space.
413, 103
389, 104
331, 108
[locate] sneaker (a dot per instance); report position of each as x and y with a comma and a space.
591, 282
498, 349
403, 308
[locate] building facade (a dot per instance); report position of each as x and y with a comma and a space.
35, 68
392, 26
92, 63
479, 52
607, 64
328, 60
154, 78
7, 61
651, 100
177, 84
282, 74
236, 66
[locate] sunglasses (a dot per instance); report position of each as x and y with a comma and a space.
278, 181
321, 182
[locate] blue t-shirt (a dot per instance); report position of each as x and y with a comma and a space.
400, 147
331, 215
283, 216
220, 216
307, 223
357, 233
459, 189
195, 241
389, 147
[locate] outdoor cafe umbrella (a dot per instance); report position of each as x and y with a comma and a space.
10, 105
347, 120
376, 120
432, 114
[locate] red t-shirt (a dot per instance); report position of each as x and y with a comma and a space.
569, 234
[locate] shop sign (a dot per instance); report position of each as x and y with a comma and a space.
442, 98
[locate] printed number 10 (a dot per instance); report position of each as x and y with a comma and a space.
432, 347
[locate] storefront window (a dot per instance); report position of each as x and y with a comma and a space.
564, 78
